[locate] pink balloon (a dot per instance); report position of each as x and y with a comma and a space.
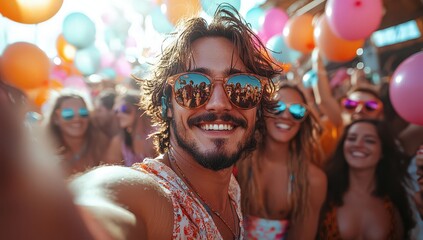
123, 67
75, 82
339, 76
262, 36
274, 22
406, 89
354, 19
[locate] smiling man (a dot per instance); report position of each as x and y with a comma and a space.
188, 192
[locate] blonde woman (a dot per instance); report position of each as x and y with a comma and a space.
282, 187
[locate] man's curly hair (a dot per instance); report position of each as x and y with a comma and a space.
177, 56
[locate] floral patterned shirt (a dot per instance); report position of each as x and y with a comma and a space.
191, 219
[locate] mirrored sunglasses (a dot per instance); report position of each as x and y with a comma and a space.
298, 111
369, 106
193, 90
124, 108
68, 113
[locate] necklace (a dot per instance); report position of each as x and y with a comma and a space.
76, 156
205, 204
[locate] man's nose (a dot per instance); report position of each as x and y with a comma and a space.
218, 100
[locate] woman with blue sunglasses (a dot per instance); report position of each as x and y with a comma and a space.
70, 126
283, 189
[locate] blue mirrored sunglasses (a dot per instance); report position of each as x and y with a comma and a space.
69, 113
298, 111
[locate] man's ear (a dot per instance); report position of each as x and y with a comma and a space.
166, 105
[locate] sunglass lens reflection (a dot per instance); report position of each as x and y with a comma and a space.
350, 104
280, 108
372, 105
67, 113
192, 90
83, 112
243, 90
297, 111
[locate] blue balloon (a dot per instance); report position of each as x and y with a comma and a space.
160, 22
87, 60
79, 30
280, 51
253, 17
210, 6
310, 79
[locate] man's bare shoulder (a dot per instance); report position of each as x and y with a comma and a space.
125, 200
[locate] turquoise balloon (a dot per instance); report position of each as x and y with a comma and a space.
87, 60
253, 17
160, 22
310, 79
79, 30
210, 6
280, 51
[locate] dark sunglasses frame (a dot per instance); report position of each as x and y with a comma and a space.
292, 113
262, 80
68, 113
369, 106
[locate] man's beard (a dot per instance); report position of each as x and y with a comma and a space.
218, 158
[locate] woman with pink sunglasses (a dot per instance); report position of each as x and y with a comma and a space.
283, 189
133, 144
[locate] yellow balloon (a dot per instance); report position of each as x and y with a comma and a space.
29, 11
64, 49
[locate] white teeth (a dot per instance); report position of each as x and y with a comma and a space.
217, 127
283, 126
358, 154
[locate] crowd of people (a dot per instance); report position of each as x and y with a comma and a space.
216, 145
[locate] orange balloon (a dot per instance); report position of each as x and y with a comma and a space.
332, 47
177, 10
65, 50
298, 33
56, 85
25, 65
30, 12
329, 138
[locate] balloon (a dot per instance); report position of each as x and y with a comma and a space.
29, 12
160, 23
210, 6
177, 10
79, 30
75, 82
354, 19
274, 22
332, 47
262, 36
406, 88
310, 79
87, 60
254, 17
65, 50
339, 76
25, 65
298, 33
144, 7
123, 67
280, 51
